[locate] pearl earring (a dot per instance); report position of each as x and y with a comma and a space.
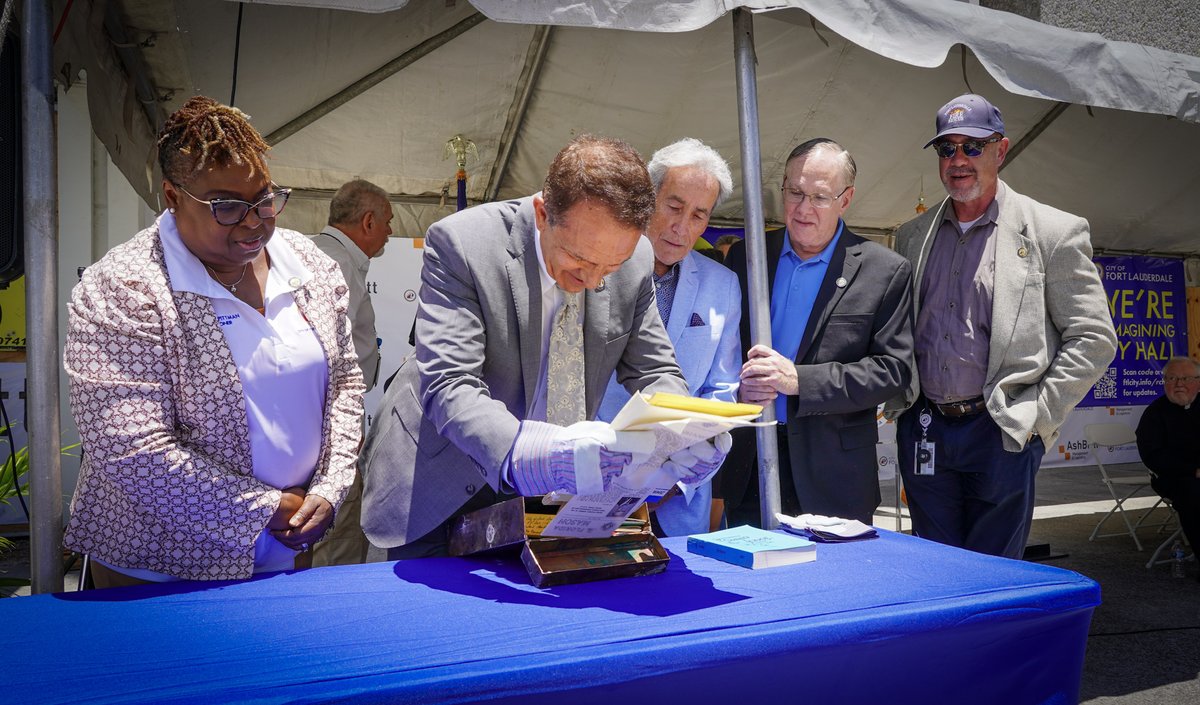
172, 211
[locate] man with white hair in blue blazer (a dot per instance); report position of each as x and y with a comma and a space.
698, 299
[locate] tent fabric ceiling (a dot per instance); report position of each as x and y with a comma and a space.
1123, 163
1025, 56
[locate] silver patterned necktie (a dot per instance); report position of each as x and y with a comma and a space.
564, 365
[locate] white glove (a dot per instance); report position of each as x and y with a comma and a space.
694, 465
578, 459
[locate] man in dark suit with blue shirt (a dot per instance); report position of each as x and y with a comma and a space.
841, 331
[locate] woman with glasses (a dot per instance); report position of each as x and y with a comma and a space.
213, 378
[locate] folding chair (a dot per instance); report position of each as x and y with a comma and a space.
1176, 535
1101, 436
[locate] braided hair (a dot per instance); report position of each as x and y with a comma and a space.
204, 133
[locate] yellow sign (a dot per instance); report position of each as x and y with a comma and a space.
12, 316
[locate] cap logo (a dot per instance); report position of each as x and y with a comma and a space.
956, 114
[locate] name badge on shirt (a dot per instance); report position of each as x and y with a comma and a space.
924, 451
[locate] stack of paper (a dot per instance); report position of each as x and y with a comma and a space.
826, 529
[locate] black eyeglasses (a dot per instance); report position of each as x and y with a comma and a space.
231, 211
971, 148
816, 200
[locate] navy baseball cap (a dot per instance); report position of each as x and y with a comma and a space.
971, 115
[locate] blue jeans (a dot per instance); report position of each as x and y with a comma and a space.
980, 496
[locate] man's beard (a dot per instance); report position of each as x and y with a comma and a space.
966, 193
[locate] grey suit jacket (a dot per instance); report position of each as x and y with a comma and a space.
856, 353
1052, 335
447, 422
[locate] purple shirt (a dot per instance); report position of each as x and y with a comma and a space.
664, 291
954, 325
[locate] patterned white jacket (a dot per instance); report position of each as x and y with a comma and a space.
166, 481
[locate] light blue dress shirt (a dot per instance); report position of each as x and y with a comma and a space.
797, 282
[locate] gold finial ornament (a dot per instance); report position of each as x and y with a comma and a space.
460, 148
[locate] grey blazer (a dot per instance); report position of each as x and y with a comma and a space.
856, 353
447, 422
1052, 335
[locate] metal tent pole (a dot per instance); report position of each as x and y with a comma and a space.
40, 180
516, 114
756, 253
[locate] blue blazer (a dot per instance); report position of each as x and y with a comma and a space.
703, 327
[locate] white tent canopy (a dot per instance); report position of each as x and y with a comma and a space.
1104, 129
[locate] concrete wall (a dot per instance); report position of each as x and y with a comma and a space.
1173, 25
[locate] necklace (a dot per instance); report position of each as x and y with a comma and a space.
232, 287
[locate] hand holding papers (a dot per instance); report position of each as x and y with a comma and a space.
675, 423
826, 529
698, 462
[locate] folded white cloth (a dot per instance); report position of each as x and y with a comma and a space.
827, 526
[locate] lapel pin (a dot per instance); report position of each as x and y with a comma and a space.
600, 287
294, 282
1021, 252
841, 282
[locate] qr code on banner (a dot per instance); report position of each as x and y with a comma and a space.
1106, 386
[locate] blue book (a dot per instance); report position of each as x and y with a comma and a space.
753, 548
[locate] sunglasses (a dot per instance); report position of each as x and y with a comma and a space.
971, 148
231, 211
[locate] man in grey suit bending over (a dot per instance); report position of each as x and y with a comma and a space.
526, 309
1012, 330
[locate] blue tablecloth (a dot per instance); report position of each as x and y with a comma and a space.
893, 620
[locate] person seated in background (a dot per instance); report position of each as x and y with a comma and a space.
526, 309
699, 301
1168, 439
212, 372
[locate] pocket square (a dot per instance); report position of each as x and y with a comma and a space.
695, 321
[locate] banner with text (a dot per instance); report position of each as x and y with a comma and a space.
1147, 298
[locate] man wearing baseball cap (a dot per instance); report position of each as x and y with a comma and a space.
1012, 329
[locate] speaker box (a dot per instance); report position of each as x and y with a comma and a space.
12, 229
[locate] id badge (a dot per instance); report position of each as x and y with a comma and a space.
924, 457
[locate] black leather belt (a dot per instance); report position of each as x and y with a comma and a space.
966, 407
